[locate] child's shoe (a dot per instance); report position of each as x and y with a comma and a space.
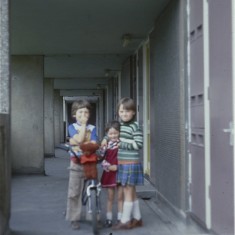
75, 225
108, 223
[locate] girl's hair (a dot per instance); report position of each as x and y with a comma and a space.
112, 124
79, 104
127, 103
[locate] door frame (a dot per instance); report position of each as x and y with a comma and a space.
146, 106
207, 112
233, 89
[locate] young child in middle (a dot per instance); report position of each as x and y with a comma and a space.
108, 178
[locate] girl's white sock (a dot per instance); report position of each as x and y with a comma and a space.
109, 215
136, 210
127, 209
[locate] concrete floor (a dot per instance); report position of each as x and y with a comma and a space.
39, 202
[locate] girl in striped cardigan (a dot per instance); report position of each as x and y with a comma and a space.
130, 170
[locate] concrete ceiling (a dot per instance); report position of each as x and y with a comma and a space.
90, 30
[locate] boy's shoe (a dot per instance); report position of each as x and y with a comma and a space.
75, 225
108, 223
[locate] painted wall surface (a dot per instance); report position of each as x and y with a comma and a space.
58, 118
27, 114
70, 66
125, 79
166, 105
74, 83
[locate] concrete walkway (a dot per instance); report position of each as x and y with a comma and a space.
39, 202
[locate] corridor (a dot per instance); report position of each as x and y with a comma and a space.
38, 207
173, 57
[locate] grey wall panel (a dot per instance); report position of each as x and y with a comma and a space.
165, 104
221, 96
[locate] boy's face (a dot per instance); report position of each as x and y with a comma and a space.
82, 115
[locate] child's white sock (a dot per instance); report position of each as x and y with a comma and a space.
109, 215
136, 210
126, 214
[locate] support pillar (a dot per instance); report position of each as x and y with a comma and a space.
5, 160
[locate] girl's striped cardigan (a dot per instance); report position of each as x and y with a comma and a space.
131, 138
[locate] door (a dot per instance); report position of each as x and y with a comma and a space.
221, 96
198, 99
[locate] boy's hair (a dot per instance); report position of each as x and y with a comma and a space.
79, 104
112, 124
127, 103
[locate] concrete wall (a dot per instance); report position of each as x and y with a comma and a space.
5, 174
27, 114
49, 146
5, 158
126, 78
58, 118
79, 83
68, 66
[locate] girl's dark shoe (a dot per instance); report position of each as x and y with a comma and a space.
136, 223
108, 223
121, 225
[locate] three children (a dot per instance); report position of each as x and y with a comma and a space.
122, 167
